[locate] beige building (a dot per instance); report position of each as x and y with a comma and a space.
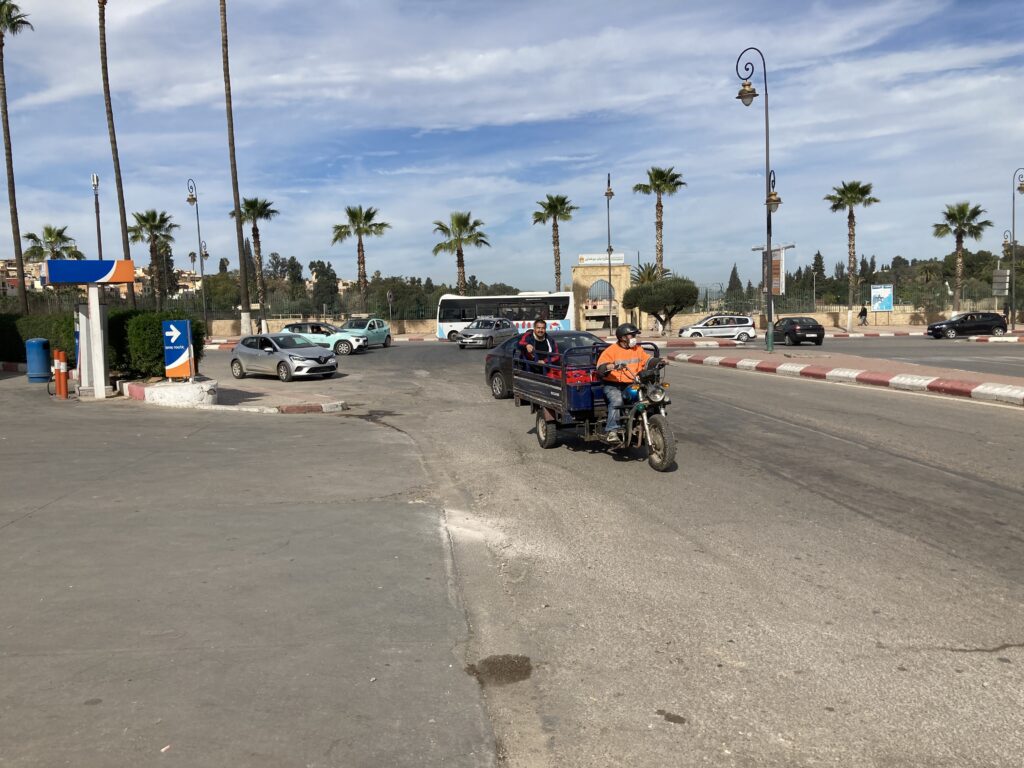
595, 298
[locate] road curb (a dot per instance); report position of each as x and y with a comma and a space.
874, 334
147, 393
988, 391
998, 339
14, 367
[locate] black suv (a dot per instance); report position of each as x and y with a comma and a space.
969, 324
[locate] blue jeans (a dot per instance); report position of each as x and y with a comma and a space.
613, 396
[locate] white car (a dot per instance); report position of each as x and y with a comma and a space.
739, 327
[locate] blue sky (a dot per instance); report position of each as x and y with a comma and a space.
421, 108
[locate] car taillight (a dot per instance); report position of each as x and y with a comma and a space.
796, 327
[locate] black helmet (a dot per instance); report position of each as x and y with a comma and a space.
626, 329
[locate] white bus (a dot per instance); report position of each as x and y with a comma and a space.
456, 312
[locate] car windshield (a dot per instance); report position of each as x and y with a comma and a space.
356, 324
480, 324
292, 341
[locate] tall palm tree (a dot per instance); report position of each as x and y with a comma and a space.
846, 197
461, 230
255, 210
360, 224
961, 220
660, 182
125, 250
243, 268
156, 230
556, 208
54, 243
12, 22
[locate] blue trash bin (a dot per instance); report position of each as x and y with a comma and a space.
37, 354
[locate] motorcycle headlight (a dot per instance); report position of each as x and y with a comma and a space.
656, 394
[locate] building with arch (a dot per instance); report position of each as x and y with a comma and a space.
594, 295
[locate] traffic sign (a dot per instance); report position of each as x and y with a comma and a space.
177, 336
881, 298
1000, 282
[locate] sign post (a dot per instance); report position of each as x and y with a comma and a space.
391, 300
178, 363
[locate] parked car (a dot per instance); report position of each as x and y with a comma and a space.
739, 327
969, 324
486, 332
498, 363
795, 330
354, 336
284, 355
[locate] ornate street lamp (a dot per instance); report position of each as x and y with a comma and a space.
1017, 185
193, 200
608, 195
772, 201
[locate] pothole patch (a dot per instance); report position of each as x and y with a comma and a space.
502, 669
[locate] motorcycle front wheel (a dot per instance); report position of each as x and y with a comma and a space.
661, 453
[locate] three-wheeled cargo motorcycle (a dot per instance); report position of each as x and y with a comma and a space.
566, 393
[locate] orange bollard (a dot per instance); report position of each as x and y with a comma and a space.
62, 376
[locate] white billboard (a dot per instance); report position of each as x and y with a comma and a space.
597, 259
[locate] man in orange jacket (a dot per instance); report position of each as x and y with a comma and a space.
618, 366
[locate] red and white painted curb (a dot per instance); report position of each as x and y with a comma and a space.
1000, 339
162, 394
14, 367
874, 334
991, 392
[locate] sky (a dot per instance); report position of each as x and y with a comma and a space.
424, 107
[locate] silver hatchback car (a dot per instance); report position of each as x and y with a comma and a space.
285, 355
486, 332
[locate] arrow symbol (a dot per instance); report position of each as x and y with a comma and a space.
174, 333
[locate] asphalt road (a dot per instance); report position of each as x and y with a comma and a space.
832, 576
999, 358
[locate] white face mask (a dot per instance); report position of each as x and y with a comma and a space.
632, 341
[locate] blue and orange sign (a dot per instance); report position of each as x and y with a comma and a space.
89, 271
177, 349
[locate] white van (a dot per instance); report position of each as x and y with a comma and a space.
739, 327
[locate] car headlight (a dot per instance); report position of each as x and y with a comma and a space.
332, 361
297, 358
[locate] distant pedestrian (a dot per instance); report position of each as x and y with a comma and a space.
1006, 311
863, 315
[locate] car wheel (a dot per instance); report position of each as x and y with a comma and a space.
790, 340
817, 342
462, 346
547, 432
387, 340
951, 333
490, 343
998, 330
743, 337
343, 348
237, 370
499, 390
453, 335
696, 335
284, 373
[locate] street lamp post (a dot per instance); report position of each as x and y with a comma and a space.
772, 200
193, 200
1017, 185
96, 200
608, 195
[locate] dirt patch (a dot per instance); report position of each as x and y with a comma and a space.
671, 717
501, 670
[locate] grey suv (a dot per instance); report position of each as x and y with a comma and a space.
486, 332
739, 327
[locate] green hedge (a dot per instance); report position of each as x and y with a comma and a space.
146, 341
134, 338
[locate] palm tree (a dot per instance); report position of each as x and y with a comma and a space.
846, 197
360, 224
12, 22
53, 244
461, 230
647, 273
155, 229
126, 251
255, 210
961, 220
556, 208
660, 181
243, 268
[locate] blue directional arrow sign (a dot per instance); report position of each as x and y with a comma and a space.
177, 349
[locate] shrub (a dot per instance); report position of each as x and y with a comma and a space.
12, 346
146, 343
118, 356
58, 328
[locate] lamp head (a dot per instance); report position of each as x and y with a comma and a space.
747, 93
95, 182
1020, 188
774, 201
191, 199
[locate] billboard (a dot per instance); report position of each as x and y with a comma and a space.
598, 259
881, 298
